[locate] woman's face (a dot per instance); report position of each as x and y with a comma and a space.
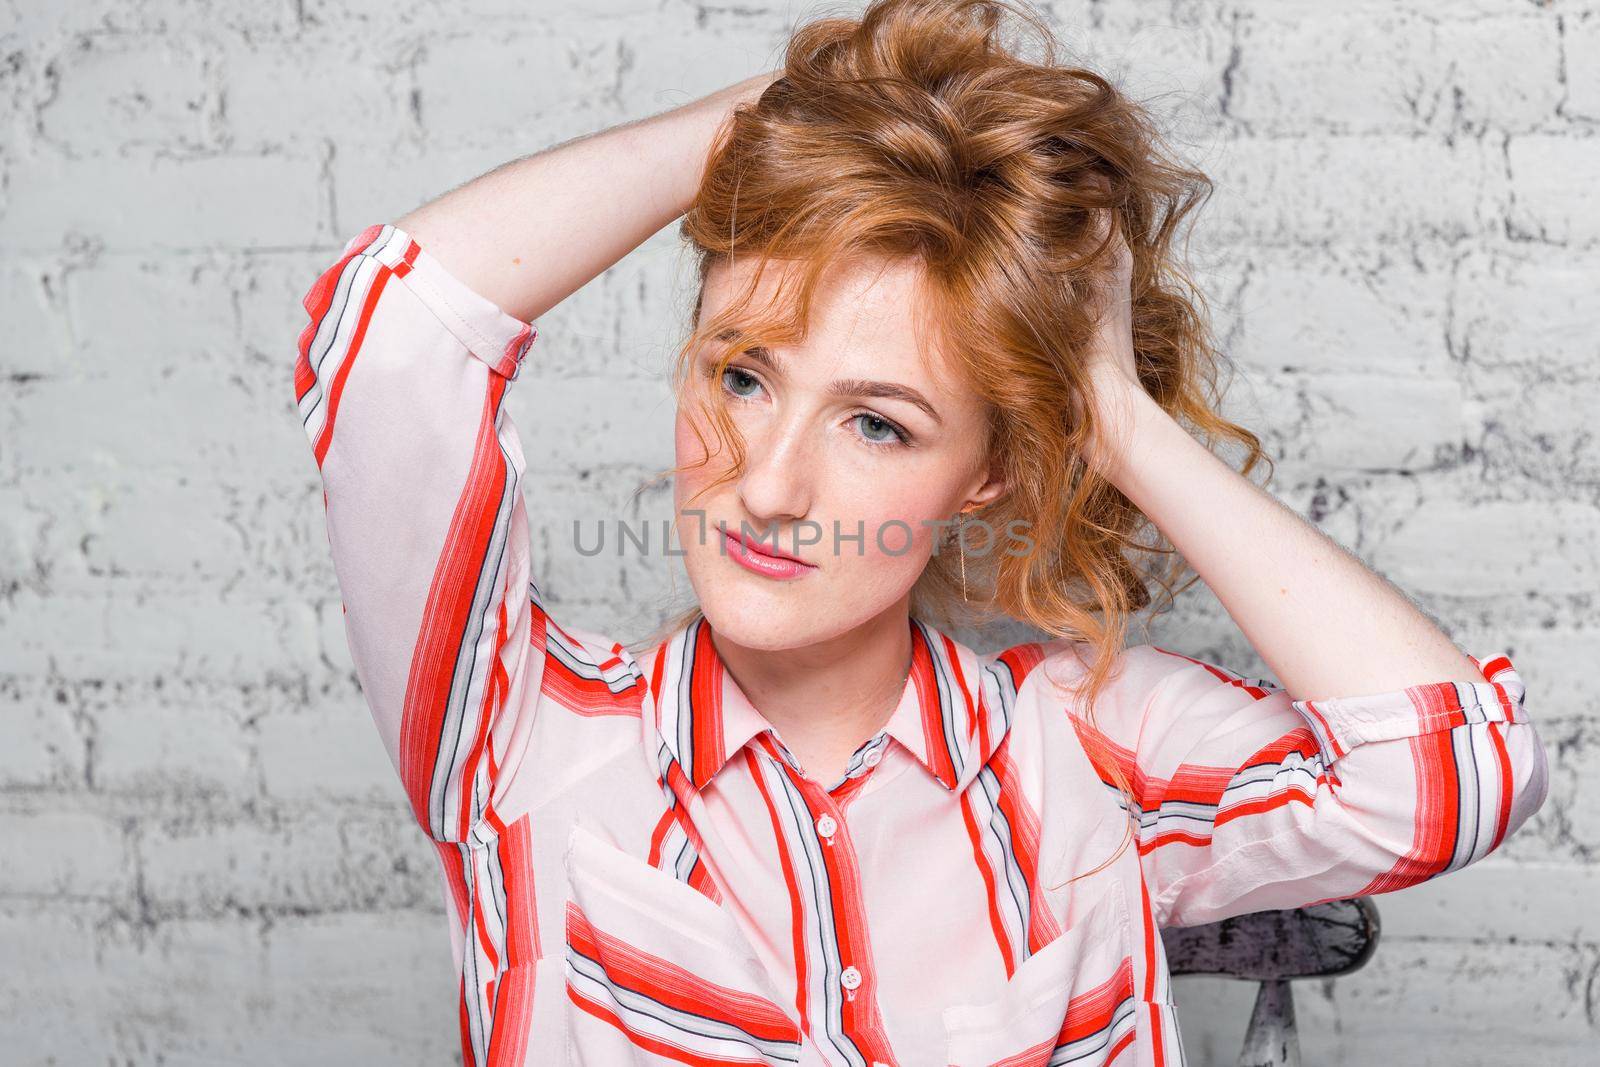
856, 442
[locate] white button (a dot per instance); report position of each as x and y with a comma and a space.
849, 977
826, 826
873, 757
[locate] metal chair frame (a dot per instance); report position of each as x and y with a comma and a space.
1274, 948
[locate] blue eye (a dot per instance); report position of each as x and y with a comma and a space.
876, 430
734, 373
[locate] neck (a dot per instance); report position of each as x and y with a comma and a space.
829, 698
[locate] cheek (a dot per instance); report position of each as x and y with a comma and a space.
895, 513
689, 451
684, 441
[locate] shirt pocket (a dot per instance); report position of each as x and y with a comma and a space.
1070, 1002
656, 971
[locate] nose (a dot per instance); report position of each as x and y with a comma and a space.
776, 488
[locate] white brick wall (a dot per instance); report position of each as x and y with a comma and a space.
208, 857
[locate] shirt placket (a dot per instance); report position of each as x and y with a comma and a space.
845, 1021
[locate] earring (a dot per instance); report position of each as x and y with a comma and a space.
961, 550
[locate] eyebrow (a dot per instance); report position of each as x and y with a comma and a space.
856, 387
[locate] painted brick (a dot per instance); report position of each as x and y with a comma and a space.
216, 859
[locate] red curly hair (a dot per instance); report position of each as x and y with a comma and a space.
914, 133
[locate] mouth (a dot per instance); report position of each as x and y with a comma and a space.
762, 560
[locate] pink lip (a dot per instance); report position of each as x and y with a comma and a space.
754, 559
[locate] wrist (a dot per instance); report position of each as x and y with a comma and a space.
1121, 410
714, 109
705, 119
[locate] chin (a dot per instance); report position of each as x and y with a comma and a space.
769, 620
758, 613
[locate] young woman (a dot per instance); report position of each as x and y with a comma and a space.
803, 824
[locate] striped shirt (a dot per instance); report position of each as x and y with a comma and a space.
634, 866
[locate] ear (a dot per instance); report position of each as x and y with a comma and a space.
991, 488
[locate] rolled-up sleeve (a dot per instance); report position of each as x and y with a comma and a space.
400, 379
1250, 800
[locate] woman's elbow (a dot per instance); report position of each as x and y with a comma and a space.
1530, 771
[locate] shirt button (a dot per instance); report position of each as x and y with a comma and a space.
849, 977
827, 826
873, 758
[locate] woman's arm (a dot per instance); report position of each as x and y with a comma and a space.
1247, 800
1386, 757
401, 376
594, 198
1324, 623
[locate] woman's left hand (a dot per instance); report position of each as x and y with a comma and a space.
1112, 367
1112, 349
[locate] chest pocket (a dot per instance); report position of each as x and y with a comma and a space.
658, 973
1070, 1002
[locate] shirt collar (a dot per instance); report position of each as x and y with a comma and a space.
953, 713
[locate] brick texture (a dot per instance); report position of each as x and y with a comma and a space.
209, 858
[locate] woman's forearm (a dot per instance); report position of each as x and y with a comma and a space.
1325, 624
533, 231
